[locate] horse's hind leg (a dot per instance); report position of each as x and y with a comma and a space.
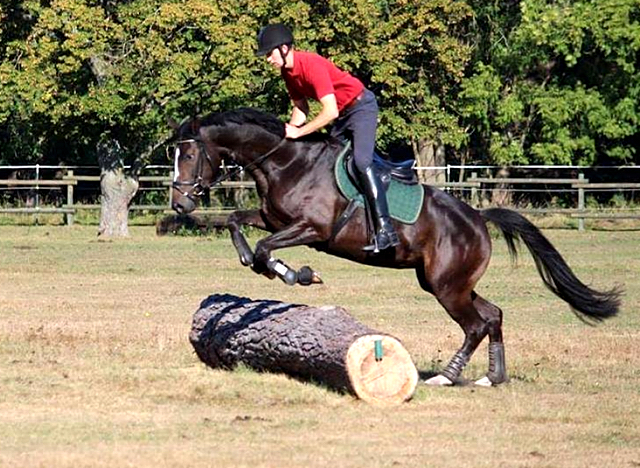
461, 307
478, 318
497, 366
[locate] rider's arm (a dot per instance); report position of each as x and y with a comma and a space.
328, 113
299, 112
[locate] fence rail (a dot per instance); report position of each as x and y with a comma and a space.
474, 184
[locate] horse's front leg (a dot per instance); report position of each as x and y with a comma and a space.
235, 221
300, 233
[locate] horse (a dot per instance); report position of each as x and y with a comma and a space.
448, 246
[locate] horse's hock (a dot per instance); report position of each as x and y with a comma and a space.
324, 345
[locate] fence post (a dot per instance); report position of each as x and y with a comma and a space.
474, 191
70, 216
581, 202
37, 196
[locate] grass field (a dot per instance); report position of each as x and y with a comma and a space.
96, 369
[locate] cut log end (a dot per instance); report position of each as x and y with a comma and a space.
381, 370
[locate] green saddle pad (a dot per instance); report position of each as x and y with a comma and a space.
405, 201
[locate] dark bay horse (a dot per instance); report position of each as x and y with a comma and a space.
448, 246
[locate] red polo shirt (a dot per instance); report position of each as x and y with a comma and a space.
314, 77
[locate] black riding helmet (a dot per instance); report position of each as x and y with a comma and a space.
273, 36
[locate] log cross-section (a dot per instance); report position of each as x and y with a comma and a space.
324, 344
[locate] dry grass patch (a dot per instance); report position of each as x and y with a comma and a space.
96, 368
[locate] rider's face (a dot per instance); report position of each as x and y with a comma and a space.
275, 58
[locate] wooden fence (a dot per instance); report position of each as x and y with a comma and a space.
70, 208
580, 185
473, 184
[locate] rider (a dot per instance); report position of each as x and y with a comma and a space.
344, 98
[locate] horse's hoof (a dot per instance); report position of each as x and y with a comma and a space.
484, 382
306, 277
439, 381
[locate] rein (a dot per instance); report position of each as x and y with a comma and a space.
254, 163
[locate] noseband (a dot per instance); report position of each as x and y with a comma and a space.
197, 187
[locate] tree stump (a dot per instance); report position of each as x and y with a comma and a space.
324, 345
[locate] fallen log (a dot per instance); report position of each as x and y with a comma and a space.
324, 345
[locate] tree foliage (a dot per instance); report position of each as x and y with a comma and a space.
527, 81
554, 82
90, 68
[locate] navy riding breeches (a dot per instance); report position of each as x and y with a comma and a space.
358, 123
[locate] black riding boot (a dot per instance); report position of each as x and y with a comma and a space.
385, 236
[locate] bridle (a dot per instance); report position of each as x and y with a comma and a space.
197, 187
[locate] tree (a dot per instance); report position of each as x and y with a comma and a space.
102, 77
554, 83
418, 59
16, 21
517, 81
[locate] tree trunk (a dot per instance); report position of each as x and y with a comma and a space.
502, 196
464, 157
324, 345
117, 190
429, 153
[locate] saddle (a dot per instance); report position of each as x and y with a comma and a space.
401, 171
404, 194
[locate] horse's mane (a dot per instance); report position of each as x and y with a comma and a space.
246, 115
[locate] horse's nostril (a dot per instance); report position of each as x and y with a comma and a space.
183, 205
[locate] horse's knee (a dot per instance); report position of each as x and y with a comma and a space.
261, 251
493, 320
232, 220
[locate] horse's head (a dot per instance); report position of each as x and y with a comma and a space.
196, 163
246, 136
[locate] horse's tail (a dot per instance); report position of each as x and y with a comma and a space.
553, 269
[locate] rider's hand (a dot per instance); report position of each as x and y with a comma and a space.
292, 132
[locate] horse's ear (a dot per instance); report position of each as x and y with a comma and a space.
195, 126
172, 123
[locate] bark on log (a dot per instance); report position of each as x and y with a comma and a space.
324, 345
